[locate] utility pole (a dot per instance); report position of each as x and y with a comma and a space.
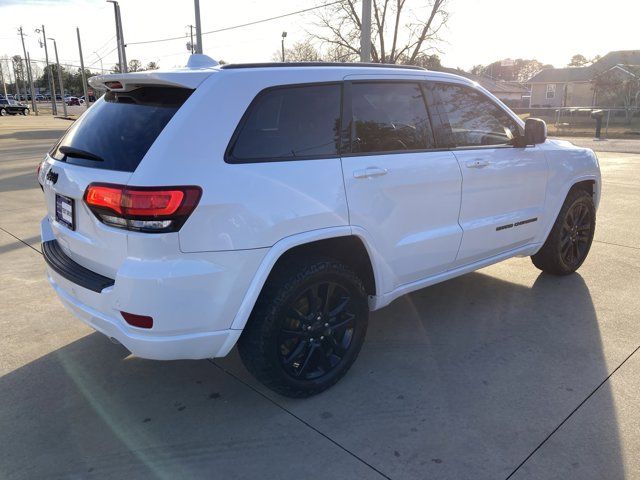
125, 66
365, 32
284, 35
122, 58
84, 77
34, 105
198, 27
27, 64
64, 104
52, 82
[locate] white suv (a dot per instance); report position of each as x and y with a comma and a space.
275, 205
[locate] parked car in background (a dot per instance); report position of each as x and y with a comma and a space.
11, 107
72, 101
40, 98
310, 195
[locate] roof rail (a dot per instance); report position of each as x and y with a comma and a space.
233, 66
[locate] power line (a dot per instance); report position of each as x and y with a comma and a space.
39, 60
273, 18
284, 15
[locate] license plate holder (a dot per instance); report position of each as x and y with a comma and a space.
65, 211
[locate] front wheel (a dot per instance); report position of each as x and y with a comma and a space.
25, 111
3, 112
307, 327
569, 241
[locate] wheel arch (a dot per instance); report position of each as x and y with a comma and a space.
341, 243
589, 183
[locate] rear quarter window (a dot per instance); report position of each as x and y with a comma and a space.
120, 128
289, 123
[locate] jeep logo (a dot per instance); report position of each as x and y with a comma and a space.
52, 176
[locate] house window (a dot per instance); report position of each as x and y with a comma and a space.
551, 90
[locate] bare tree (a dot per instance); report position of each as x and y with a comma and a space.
303, 51
135, 65
152, 66
619, 86
399, 34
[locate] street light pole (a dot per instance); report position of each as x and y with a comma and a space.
64, 104
198, 27
365, 32
284, 35
52, 82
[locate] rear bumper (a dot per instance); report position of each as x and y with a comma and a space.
193, 299
175, 347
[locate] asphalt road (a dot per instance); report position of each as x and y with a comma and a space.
503, 373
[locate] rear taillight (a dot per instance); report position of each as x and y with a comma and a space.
145, 209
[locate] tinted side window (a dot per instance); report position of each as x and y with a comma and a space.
290, 122
475, 120
389, 117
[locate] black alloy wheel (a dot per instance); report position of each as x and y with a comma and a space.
317, 331
575, 238
307, 327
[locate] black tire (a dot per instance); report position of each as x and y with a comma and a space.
3, 112
569, 241
25, 111
298, 346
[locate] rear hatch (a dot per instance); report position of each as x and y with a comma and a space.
105, 145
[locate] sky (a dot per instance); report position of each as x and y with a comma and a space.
478, 31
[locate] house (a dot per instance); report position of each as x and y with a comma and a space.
573, 86
512, 94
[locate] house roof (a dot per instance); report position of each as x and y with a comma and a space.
586, 74
491, 84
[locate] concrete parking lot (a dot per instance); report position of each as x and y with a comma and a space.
502, 373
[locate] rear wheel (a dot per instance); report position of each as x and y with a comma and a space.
3, 112
307, 328
570, 239
25, 111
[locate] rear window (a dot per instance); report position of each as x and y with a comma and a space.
117, 132
288, 123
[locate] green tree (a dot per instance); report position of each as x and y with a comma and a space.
578, 60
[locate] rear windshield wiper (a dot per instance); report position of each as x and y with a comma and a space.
78, 153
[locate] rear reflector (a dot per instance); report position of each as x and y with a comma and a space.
140, 321
147, 209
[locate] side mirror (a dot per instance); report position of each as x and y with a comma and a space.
535, 131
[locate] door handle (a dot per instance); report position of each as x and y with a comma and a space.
370, 172
477, 163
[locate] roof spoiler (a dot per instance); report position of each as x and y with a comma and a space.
198, 68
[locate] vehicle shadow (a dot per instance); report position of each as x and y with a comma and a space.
460, 380
466, 378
